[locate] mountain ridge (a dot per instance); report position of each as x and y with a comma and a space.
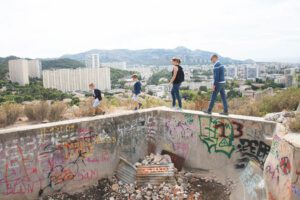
154, 56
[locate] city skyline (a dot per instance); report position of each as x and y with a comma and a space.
261, 30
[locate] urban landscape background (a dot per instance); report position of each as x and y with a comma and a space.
40, 90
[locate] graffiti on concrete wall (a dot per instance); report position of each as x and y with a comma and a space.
296, 191
297, 174
219, 134
55, 156
229, 136
275, 147
129, 133
296, 179
252, 150
180, 132
279, 174
152, 127
285, 165
178, 129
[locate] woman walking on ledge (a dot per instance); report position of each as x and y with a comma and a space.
177, 79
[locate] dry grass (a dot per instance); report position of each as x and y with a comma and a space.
38, 111
10, 113
150, 102
2, 119
57, 111
295, 124
244, 106
84, 109
283, 100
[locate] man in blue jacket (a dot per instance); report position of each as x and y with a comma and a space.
218, 85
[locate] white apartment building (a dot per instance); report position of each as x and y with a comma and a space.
231, 72
162, 90
18, 71
116, 65
196, 85
68, 80
34, 68
92, 61
251, 72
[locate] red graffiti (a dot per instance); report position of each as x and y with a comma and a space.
62, 176
223, 126
285, 165
86, 175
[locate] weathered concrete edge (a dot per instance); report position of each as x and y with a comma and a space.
163, 108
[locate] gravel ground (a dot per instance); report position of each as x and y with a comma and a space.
198, 188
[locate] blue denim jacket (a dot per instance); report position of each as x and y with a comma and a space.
219, 73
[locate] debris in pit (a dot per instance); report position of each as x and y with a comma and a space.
126, 172
155, 170
185, 186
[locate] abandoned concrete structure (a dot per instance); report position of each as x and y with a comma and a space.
259, 156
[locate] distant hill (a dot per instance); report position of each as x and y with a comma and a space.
153, 56
61, 63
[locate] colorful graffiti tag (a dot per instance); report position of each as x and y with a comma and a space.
53, 157
219, 134
252, 150
285, 165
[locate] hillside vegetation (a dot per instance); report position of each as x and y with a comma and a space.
4, 66
61, 63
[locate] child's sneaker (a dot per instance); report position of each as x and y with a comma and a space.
140, 105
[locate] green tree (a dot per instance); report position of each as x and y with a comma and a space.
154, 79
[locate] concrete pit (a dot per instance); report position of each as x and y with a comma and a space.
246, 158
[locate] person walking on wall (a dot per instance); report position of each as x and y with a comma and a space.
137, 87
97, 100
176, 80
218, 85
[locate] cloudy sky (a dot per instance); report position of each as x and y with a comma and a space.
241, 29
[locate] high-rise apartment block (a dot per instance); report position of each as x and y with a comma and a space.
34, 68
68, 80
231, 72
20, 70
251, 72
92, 61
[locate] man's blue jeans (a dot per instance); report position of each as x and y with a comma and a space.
220, 87
176, 95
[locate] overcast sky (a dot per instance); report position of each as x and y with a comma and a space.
241, 29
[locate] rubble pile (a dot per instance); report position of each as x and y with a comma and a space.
180, 185
180, 190
153, 159
162, 181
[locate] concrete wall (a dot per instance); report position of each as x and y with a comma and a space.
221, 145
282, 168
70, 155
67, 156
